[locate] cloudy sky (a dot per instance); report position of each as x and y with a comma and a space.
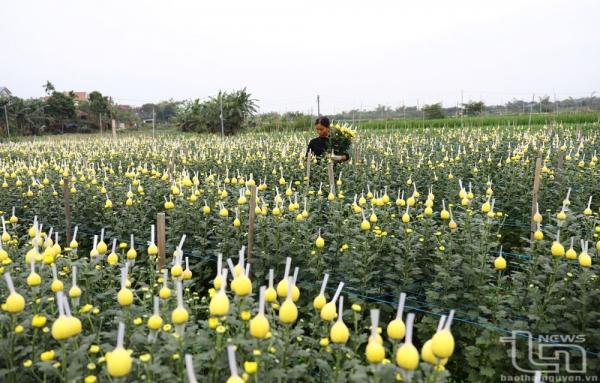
288, 52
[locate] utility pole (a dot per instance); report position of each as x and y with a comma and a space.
318, 106
360, 114
555, 105
6, 114
222, 126
113, 123
100, 120
531, 109
386, 117
462, 104
153, 124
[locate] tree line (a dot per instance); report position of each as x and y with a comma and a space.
239, 111
539, 105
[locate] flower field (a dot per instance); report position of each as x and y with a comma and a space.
415, 263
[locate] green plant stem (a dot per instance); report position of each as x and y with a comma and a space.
531, 272
63, 351
498, 289
548, 291
337, 363
584, 297
375, 373
11, 355
286, 338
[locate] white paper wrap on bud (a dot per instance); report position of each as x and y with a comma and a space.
189, 368
449, 321
374, 323
121, 335
401, 306
9, 282
341, 309
232, 363
222, 289
219, 263
338, 292
261, 302
441, 323
288, 265
156, 305
231, 268
324, 284
410, 318
290, 284
59, 297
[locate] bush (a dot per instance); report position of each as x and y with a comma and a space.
85, 129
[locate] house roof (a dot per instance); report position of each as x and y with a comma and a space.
4, 89
81, 95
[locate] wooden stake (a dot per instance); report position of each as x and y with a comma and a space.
308, 161
531, 109
114, 130
251, 222
172, 166
162, 240
67, 209
331, 177
536, 188
559, 169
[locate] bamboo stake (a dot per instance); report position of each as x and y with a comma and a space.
67, 208
536, 188
251, 222
308, 161
559, 169
172, 166
161, 239
331, 177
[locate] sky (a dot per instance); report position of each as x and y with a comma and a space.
285, 53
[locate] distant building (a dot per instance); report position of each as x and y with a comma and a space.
124, 107
79, 96
4, 91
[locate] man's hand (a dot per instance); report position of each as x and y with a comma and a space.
335, 157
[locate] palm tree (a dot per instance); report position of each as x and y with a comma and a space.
48, 88
238, 107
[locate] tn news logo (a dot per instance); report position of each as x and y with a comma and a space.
552, 362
